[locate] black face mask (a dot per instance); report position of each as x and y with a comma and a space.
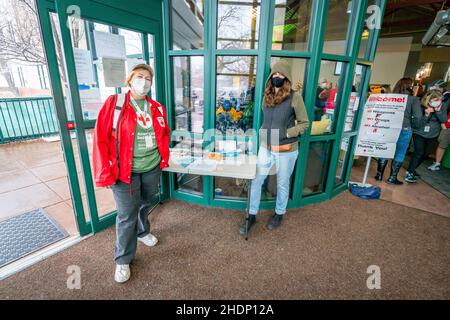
278, 82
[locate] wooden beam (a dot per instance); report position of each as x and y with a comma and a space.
410, 3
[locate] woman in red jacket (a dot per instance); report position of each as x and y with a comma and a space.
131, 146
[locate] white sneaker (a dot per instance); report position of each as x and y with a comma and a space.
435, 167
149, 240
122, 273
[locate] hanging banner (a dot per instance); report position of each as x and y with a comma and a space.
381, 123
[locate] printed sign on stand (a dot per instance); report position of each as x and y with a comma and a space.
380, 125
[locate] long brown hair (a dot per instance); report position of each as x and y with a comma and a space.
403, 85
273, 99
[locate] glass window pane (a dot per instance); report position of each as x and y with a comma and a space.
291, 25
187, 24
238, 24
339, 12
367, 32
236, 77
343, 160
317, 167
188, 83
327, 97
101, 70
355, 96
188, 93
234, 109
297, 68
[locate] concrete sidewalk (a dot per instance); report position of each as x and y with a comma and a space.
322, 251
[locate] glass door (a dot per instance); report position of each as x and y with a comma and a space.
98, 44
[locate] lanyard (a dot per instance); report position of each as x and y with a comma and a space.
137, 106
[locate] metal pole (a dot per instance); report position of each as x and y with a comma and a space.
249, 191
366, 171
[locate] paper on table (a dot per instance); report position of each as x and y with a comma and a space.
203, 164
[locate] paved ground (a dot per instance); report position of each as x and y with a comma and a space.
322, 251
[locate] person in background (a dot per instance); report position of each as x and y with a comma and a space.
322, 95
444, 136
284, 120
403, 86
426, 124
131, 147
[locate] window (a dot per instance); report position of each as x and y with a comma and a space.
339, 12
238, 24
291, 25
355, 96
317, 167
367, 33
188, 18
188, 93
327, 97
188, 104
236, 78
343, 160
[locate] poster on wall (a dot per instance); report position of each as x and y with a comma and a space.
91, 102
83, 66
114, 72
380, 125
109, 45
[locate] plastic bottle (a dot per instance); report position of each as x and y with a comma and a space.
250, 147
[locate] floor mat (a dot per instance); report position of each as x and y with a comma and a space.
27, 233
439, 180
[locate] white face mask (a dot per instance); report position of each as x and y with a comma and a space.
324, 85
435, 103
140, 86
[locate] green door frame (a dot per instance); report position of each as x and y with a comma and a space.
264, 52
118, 16
160, 24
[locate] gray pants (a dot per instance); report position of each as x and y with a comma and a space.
133, 208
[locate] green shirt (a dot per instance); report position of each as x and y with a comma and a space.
145, 155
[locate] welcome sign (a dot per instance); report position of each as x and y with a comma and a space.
380, 125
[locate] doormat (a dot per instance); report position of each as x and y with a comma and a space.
27, 233
436, 179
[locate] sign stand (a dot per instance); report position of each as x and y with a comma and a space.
366, 172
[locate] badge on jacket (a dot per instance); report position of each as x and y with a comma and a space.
161, 121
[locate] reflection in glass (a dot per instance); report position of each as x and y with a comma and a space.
238, 24
355, 96
339, 12
317, 167
188, 107
327, 95
236, 78
366, 31
187, 24
341, 171
291, 25
188, 93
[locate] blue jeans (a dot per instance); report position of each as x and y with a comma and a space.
402, 144
285, 164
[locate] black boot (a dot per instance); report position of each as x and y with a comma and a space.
275, 221
382, 163
395, 168
251, 222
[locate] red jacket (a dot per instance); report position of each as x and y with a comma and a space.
105, 160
